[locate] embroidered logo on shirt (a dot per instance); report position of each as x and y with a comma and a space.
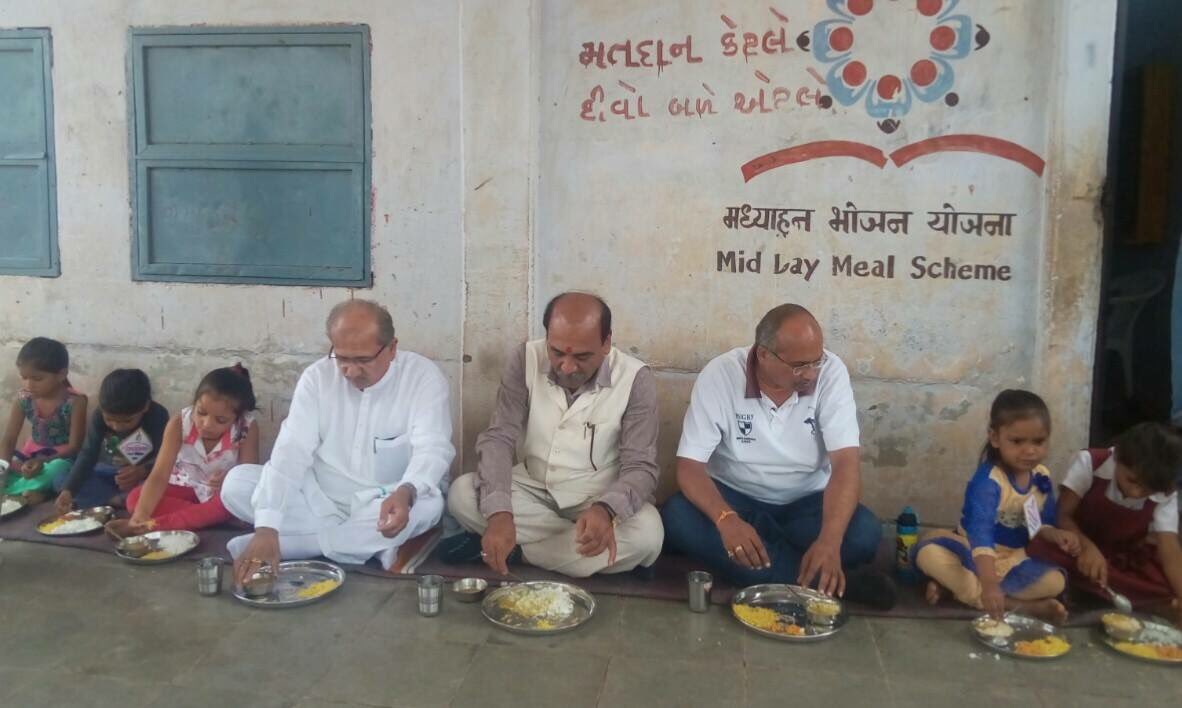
745, 423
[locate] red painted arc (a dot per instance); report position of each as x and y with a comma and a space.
970, 143
813, 151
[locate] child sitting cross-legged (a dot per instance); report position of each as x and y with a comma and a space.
56, 415
202, 444
1123, 503
121, 443
1008, 501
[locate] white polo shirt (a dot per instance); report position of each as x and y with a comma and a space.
1080, 477
775, 455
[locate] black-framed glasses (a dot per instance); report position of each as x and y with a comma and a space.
355, 360
798, 369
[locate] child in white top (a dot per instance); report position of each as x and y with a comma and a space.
200, 446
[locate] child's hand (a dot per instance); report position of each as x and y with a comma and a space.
1067, 541
128, 477
215, 480
64, 502
993, 600
138, 525
1092, 564
32, 468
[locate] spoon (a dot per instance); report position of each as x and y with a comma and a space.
1120, 602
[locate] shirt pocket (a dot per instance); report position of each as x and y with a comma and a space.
391, 457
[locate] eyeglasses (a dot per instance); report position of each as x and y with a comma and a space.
798, 369
355, 360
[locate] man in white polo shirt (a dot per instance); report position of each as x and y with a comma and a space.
769, 467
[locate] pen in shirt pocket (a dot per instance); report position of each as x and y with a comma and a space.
377, 440
591, 449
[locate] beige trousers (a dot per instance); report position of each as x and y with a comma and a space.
944, 566
547, 533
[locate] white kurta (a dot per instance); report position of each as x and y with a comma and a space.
342, 450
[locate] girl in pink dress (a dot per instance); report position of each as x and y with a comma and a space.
200, 446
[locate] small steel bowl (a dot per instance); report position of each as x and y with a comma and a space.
260, 583
469, 589
101, 514
1115, 625
823, 612
136, 546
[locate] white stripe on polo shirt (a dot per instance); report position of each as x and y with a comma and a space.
775, 455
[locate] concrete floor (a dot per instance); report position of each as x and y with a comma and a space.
84, 629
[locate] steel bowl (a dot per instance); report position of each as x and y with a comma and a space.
136, 546
469, 589
260, 583
1112, 625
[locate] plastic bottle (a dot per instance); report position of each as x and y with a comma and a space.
906, 534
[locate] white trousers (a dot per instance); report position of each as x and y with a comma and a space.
547, 533
345, 539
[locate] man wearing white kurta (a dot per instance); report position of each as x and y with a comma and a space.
580, 416
359, 462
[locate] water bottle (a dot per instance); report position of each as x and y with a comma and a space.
906, 534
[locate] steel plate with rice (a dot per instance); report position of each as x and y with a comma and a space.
1154, 641
76, 523
789, 613
298, 583
1021, 636
155, 547
539, 607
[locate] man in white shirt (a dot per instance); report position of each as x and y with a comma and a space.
359, 462
769, 467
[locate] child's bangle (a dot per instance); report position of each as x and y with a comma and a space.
723, 515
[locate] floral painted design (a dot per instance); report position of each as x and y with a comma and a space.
852, 77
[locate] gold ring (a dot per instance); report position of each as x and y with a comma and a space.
738, 549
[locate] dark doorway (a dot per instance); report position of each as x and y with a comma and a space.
1143, 219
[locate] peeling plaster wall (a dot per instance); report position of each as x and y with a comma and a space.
493, 194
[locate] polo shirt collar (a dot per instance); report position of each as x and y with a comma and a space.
752, 390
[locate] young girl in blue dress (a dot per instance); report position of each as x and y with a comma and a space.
1009, 499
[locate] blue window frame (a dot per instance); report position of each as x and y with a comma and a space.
28, 202
251, 159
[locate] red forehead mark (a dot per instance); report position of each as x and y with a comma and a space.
568, 350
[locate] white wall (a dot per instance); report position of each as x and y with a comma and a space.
492, 194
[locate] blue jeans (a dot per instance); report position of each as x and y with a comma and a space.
98, 488
787, 532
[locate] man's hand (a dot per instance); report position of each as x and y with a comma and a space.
595, 533
993, 600
262, 550
32, 468
128, 477
395, 512
1092, 564
821, 564
742, 543
498, 541
64, 502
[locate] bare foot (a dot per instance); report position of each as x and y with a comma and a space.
934, 593
1048, 610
